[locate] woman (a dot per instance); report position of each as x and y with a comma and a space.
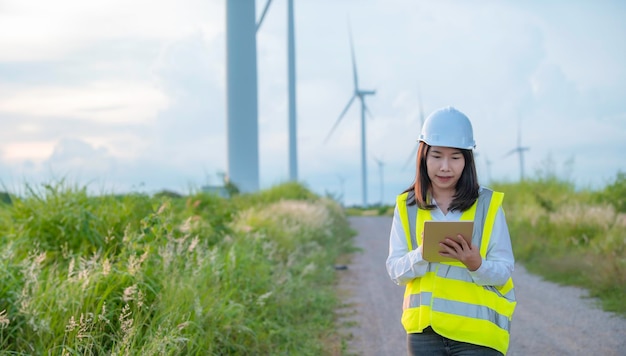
462, 307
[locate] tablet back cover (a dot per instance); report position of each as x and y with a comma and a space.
437, 231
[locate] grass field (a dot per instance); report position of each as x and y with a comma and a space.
161, 275
250, 274
571, 236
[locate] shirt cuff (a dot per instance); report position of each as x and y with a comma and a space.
416, 257
480, 272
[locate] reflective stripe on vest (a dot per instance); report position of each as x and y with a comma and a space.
446, 297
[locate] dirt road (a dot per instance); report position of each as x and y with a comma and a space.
549, 319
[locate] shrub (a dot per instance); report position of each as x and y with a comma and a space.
615, 193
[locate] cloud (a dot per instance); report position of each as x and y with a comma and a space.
74, 155
40, 31
114, 101
133, 94
192, 128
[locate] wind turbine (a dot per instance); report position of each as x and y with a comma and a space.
360, 94
488, 163
412, 155
342, 182
382, 182
520, 151
291, 90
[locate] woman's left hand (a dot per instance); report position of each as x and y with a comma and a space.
458, 248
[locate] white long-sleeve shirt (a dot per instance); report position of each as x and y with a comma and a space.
404, 265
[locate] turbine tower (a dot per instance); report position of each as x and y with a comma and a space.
381, 164
342, 183
242, 98
241, 95
291, 75
520, 151
291, 90
360, 94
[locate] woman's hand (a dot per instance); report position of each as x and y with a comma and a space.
458, 248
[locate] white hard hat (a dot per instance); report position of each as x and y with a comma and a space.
448, 127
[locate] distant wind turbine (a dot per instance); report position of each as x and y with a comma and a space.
358, 93
342, 182
488, 163
382, 180
520, 151
414, 152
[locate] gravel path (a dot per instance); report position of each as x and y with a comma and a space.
549, 319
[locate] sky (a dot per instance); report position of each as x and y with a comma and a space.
123, 96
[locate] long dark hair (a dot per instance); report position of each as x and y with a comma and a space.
466, 188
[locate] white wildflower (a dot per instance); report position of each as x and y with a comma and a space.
4, 320
40, 258
261, 300
71, 325
140, 297
70, 272
106, 267
162, 208
102, 315
84, 325
129, 293
126, 322
185, 227
309, 269
193, 244
134, 263
197, 307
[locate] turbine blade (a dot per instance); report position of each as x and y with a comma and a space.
509, 153
367, 110
340, 117
354, 72
267, 6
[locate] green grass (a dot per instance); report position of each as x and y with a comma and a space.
167, 275
252, 274
572, 237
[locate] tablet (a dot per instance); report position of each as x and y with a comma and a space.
437, 231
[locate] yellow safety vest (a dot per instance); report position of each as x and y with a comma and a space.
446, 298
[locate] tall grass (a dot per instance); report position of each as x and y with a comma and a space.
571, 236
141, 275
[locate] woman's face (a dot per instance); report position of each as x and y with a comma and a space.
445, 166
